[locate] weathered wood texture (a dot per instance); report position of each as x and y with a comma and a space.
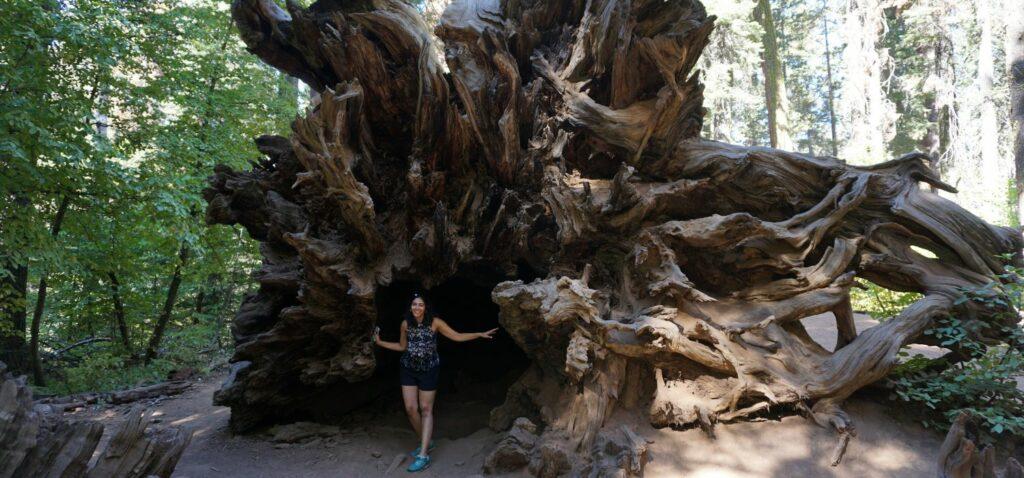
562, 137
36, 446
959, 456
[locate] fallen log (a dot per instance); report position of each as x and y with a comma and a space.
549, 151
149, 391
69, 402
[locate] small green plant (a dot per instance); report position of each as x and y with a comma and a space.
986, 383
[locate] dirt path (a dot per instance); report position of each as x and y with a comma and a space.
885, 446
364, 448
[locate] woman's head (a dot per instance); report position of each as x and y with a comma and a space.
418, 310
418, 306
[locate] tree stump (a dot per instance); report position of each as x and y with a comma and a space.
559, 139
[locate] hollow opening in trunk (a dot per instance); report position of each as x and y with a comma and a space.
475, 375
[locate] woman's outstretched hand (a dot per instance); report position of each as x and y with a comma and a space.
376, 335
489, 334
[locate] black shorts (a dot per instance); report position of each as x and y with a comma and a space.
425, 380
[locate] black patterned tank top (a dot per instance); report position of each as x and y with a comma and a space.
421, 348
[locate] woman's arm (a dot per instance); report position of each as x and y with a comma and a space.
396, 346
459, 336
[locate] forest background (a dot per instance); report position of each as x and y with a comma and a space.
114, 112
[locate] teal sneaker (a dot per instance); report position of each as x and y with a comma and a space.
430, 448
421, 463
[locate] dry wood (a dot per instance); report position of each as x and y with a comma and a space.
560, 137
173, 387
34, 445
959, 456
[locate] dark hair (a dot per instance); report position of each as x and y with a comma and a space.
428, 313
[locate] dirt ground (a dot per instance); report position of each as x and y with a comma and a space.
885, 446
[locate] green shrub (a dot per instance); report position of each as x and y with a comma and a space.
986, 383
105, 368
985, 386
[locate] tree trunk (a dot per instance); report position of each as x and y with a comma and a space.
993, 180
1014, 47
37, 314
776, 101
165, 315
119, 315
555, 161
206, 296
828, 80
13, 316
936, 138
869, 114
218, 327
200, 297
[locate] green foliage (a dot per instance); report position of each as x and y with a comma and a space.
194, 347
878, 302
986, 383
734, 93
125, 107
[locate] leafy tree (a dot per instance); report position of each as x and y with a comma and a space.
120, 110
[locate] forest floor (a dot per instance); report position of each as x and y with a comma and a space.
886, 445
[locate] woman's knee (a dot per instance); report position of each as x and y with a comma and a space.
426, 409
411, 409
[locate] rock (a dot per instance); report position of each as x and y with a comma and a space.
552, 461
298, 431
376, 454
182, 374
42, 409
514, 449
507, 457
525, 424
619, 455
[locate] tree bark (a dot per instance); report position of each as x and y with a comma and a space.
560, 141
828, 79
13, 311
869, 114
994, 179
37, 313
960, 456
776, 101
165, 315
1014, 47
119, 315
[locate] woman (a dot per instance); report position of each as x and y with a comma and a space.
420, 367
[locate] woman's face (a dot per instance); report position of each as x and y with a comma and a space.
417, 308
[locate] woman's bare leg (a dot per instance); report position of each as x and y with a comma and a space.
427, 417
411, 407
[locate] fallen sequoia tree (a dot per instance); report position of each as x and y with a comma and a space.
561, 137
